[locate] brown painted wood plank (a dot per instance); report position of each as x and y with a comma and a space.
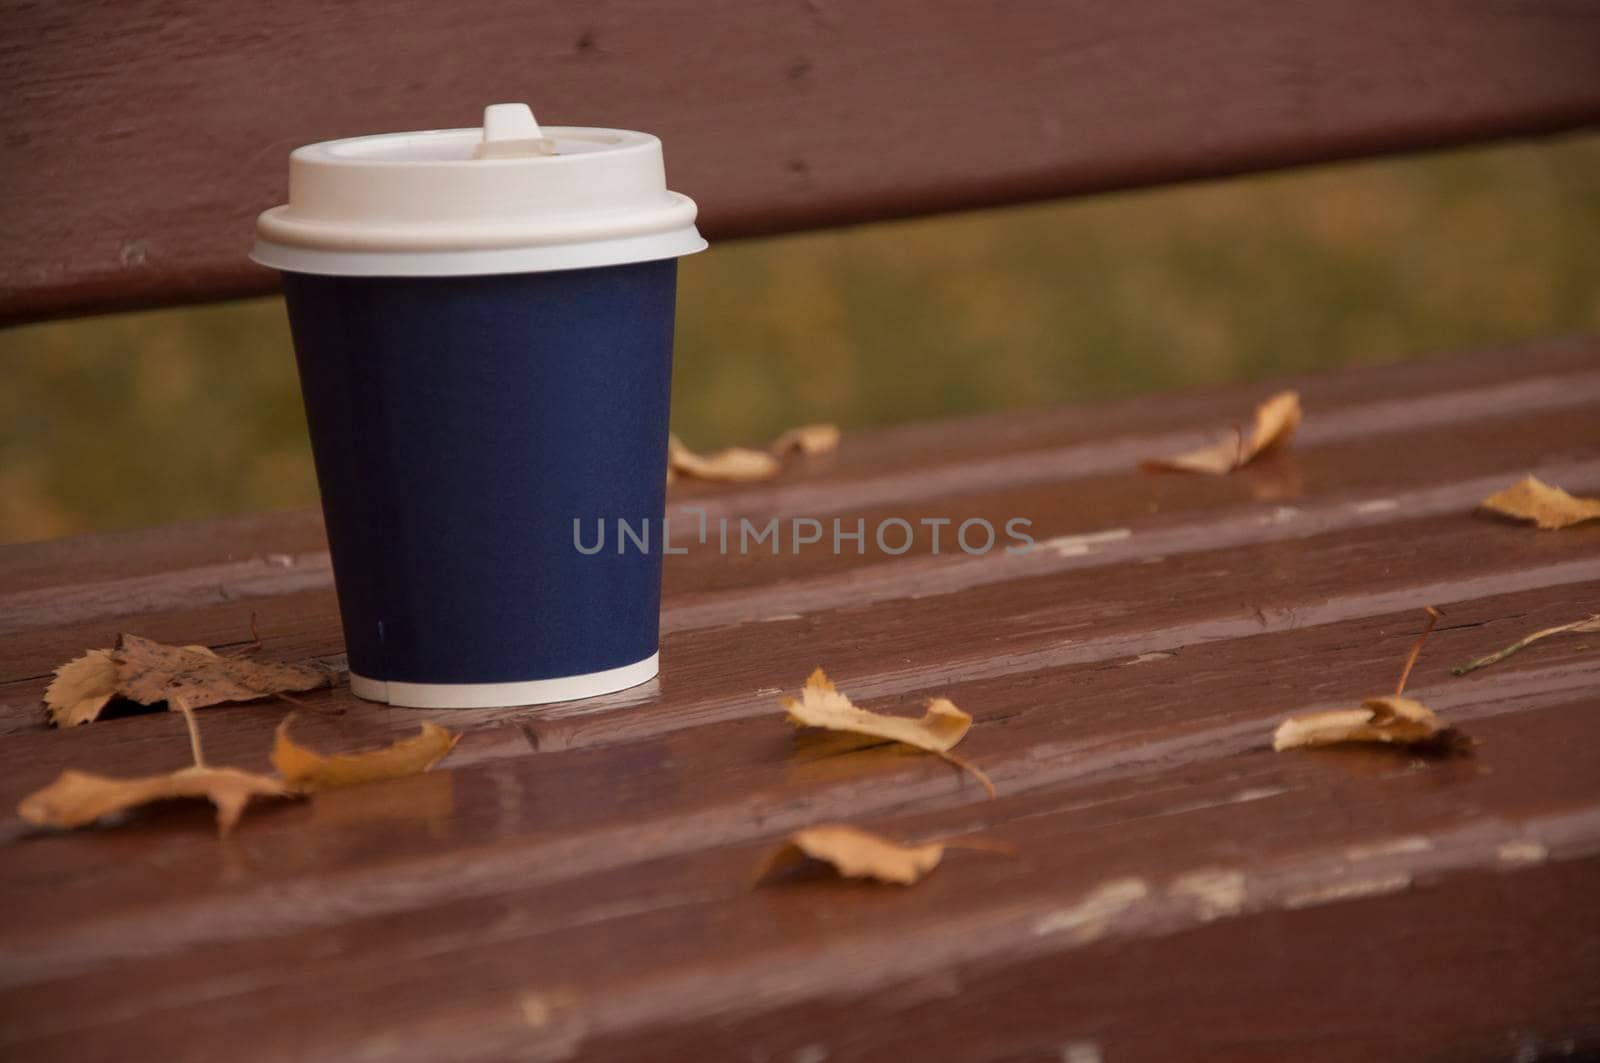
354, 830
1348, 490
54, 565
1158, 553
1051, 470
1496, 967
1165, 419
1252, 836
149, 134
501, 819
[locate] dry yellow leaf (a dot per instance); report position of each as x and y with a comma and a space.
1547, 506
148, 672
942, 725
733, 465
307, 770
1274, 425
1590, 624
853, 853
743, 465
81, 688
78, 798
821, 705
808, 439
1392, 720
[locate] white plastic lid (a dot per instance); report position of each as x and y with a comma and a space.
511, 197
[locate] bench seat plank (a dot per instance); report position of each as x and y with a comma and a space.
577, 878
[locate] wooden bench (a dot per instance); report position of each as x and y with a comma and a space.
575, 880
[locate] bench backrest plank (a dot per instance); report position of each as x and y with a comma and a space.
141, 137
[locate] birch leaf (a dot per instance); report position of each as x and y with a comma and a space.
808, 439
1394, 720
733, 465
1547, 506
942, 725
1274, 425
149, 672
306, 770
1591, 624
853, 853
79, 798
81, 689
743, 465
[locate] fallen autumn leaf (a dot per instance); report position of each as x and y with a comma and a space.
808, 439
1388, 720
942, 725
78, 798
149, 672
1275, 422
307, 770
853, 853
1548, 506
743, 465
733, 465
81, 689
1391, 720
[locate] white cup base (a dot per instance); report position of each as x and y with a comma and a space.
495, 695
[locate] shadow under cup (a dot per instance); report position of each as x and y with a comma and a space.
460, 427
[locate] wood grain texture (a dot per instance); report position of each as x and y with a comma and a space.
574, 883
145, 136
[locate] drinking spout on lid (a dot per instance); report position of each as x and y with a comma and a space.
510, 131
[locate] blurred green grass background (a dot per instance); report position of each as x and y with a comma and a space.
136, 419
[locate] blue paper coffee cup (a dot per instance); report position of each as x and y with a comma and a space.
483, 325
